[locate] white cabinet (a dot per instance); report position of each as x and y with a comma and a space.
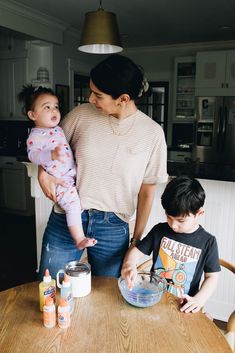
20, 67
15, 187
40, 57
13, 77
215, 73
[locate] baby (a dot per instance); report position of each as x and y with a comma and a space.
48, 147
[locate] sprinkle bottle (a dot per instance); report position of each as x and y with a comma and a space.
66, 292
49, 314
47, 288
63, 314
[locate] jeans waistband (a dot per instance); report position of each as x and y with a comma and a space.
105, 214
94, 210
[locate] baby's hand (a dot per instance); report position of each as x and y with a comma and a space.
58, 153
190, 304
85, 243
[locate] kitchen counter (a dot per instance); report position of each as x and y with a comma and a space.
208, 171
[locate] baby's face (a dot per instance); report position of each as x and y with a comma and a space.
45, 113
183, 224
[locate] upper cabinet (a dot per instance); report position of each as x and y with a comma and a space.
215, 73
40, 63
19, 65
13, 77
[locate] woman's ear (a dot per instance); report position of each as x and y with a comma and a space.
124, 98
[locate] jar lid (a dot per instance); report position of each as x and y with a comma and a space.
76, 269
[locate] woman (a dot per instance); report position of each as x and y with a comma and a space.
121, 156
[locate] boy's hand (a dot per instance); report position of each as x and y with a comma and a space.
58, 153
129, 273
190, 304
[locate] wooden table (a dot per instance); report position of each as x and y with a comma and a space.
103, 322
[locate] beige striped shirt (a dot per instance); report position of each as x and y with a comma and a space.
111, 167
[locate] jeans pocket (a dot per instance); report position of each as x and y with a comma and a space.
113, 219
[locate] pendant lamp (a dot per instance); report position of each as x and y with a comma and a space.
100, 33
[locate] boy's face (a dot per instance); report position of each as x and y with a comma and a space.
184, 224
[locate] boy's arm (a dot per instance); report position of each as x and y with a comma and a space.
129, 267
194, 304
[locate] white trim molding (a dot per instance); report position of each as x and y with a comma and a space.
29, 21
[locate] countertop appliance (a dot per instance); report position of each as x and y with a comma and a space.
215, 131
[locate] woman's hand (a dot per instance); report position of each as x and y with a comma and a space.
48, 183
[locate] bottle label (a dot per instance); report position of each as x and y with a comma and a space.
49, 317
63, 319
50, 292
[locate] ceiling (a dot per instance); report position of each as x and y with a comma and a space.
151, 22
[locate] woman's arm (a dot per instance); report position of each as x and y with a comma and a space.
48, 183
144, 205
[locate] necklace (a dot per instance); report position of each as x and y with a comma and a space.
117, 132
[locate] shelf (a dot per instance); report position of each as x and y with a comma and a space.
185, 118
205, 131
185, 99
186, 76
185, 93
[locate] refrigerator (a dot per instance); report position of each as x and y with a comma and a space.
215, 130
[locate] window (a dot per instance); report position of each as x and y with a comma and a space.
155, 104
81, 89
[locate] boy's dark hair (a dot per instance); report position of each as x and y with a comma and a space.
29, 94
183, 195
117, 75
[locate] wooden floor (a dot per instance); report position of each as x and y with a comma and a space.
18, 260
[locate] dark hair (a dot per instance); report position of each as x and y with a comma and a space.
29, 94
117, 75
183, 195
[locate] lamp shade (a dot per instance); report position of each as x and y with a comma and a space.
100, 33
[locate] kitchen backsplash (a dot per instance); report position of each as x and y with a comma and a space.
13, 136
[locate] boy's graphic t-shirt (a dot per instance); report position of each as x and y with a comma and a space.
181, 258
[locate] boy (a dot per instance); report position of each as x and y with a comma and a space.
182, 249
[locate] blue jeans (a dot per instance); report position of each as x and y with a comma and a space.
105, 257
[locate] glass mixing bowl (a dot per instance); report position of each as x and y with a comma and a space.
147, 290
